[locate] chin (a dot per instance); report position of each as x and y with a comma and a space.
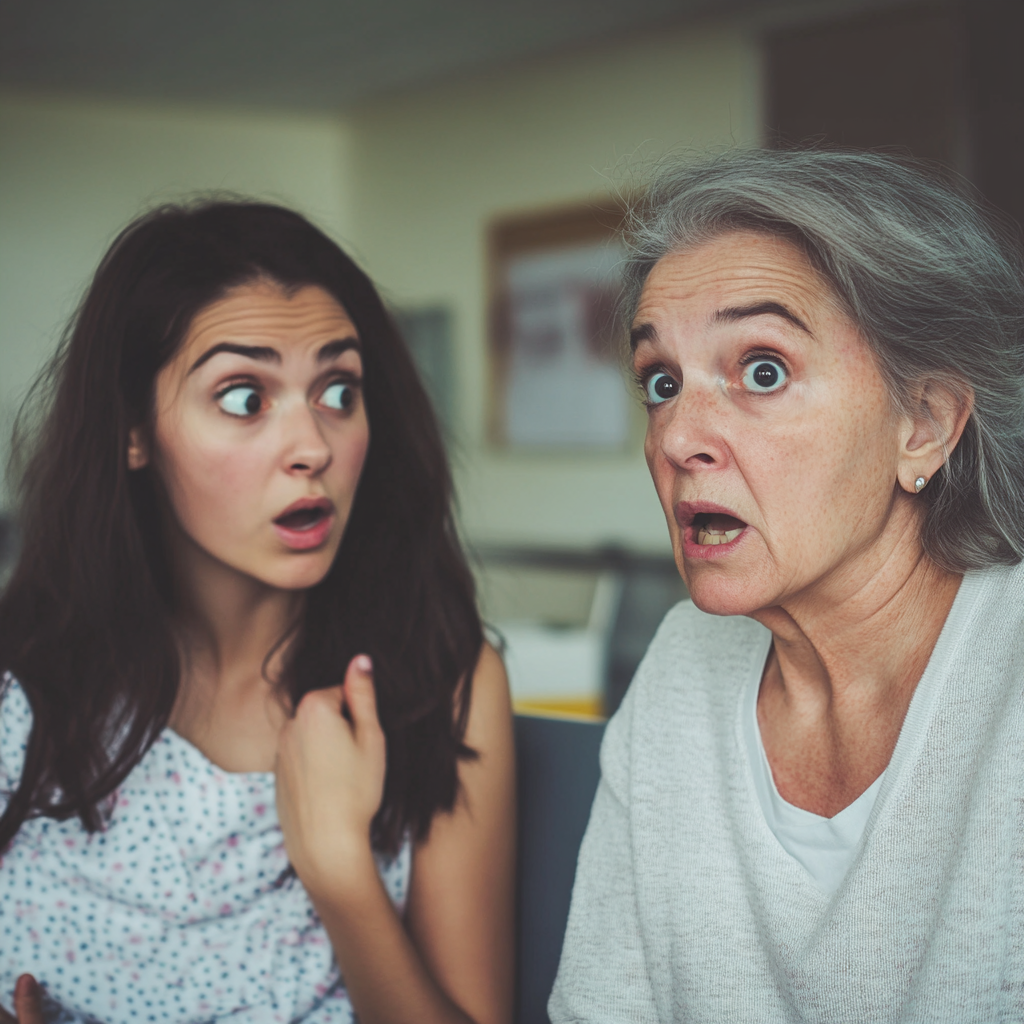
298, 573
719, 593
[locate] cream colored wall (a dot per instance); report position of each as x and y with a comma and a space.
73, 173
411, 183
432, 169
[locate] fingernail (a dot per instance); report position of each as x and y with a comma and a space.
364, 663
28, 986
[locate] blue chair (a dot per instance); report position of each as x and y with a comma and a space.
558, 772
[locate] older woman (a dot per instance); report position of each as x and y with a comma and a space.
812, 802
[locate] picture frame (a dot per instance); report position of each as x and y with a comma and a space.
554, 281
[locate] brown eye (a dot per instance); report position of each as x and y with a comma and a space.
338, 396
241, 400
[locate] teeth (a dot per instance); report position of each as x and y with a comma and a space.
706, 536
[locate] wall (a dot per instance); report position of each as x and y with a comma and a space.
73, 173
411, 182
432, 169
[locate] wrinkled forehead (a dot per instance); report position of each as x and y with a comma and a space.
264, 308
263, 325
734, 271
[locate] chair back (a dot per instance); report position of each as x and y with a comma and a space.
558, 772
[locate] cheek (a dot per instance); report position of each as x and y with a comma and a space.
825, 477
659, 467
348, 458
208, 480
352, 456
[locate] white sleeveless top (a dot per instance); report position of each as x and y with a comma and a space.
686, 906
182, 909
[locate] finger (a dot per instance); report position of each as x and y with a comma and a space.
27, 1004
361, 697
332, 699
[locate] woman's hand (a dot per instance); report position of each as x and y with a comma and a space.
330, 779
27, 1004
450, 961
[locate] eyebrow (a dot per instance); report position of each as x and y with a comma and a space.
642, 332
263, 353
333, 349
728, 315
733, 313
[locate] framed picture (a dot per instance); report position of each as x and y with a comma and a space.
555, 279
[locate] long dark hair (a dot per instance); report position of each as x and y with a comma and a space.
85, 620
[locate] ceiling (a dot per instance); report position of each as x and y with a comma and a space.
312, 54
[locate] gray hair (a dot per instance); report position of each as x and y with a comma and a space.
932, 281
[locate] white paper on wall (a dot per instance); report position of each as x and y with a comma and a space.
564, 387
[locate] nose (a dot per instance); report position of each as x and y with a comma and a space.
305, 448
689, 436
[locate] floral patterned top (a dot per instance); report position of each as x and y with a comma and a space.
182, 909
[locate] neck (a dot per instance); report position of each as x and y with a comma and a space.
865, 632
228, 622
846, 658
233, 631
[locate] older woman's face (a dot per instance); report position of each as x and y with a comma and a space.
771, 438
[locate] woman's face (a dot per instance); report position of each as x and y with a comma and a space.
771, 438
260, 432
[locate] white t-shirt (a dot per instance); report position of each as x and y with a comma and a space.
825, 847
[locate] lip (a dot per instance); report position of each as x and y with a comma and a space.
312, 536
687, 511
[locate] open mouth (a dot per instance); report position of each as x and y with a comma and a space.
712, 528
302, 519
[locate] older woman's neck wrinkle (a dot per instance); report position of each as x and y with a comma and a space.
835, 691
850, 651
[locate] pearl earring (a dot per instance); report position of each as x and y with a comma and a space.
919, 484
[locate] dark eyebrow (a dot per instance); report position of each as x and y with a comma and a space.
263, 353
642, 332
333, 349
733, 313
730, 314
260, 352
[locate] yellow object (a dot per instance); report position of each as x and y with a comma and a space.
568, 707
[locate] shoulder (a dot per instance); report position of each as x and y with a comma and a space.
490, 704
685, 691
489, 674
987, 617
1001, 587
691, 646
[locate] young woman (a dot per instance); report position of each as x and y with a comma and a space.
255, 756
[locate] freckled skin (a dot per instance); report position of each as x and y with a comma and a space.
811, 468
821, 470
227, 477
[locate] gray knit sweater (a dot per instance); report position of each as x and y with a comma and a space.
686, 908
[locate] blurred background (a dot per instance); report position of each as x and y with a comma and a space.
474, 157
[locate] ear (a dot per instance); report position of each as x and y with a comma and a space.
138, 448
931, 430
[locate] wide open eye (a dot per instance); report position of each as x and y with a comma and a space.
338, 395
240, 400
660, 388
764, 375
